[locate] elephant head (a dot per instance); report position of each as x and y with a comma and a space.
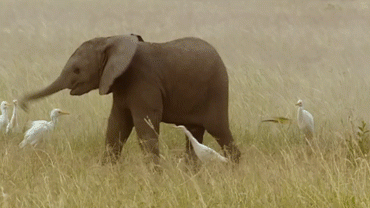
93, 65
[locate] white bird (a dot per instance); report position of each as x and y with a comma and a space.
4, 120
13, 123
41, 128
305, 120
204, 153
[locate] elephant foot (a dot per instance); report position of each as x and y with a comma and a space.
152, 161
109, 157
233, 153
193, 164
155, 169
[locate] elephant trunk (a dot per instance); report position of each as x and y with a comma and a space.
56, 86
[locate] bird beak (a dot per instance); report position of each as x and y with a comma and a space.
297, 104
64, 113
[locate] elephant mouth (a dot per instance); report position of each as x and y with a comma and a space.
78, 89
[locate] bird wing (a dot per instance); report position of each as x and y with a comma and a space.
38, 122
281, 120
311, 118
208, 154
3, 122
204, 153
36, 132
308, 119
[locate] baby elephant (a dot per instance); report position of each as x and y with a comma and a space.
183, 82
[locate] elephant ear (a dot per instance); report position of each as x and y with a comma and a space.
119, 52
138, 37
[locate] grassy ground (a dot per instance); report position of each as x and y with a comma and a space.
276, 52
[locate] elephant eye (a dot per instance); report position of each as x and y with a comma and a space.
76, 70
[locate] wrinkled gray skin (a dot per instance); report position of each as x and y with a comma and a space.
183, 82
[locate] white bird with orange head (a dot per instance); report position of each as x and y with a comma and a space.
204, 153
305, 121
13, 123
41, 128
4, 120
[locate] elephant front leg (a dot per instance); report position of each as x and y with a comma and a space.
120, 125
147, 128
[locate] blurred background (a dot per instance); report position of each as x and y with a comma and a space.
276, 52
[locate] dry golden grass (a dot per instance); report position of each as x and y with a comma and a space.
276, 52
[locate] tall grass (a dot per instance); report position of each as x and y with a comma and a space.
276, 52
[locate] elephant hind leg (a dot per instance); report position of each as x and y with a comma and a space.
220, 130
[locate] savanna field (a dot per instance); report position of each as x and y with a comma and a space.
276, 52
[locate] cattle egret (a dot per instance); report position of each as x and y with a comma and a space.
39, 129
4, 120
305, 120
204, 153
13, 123
280, 120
